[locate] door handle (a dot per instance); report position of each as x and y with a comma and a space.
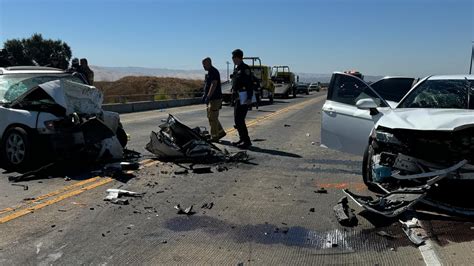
329, 110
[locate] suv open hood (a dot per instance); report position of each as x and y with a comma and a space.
428, 119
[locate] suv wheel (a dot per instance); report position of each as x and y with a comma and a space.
16, 149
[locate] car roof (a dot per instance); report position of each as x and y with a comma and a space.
445, 77
30, 69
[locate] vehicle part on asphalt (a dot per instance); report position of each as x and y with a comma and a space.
177, 142
129, 166
31, 174
221, 168
413, 230
392, 204
114, 195
25, 187
202, 170
182, 172
344, 214
187, 211
321, 191
207, 205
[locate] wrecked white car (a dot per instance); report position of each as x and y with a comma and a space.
426, 136
47, 114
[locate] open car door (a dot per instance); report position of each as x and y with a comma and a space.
351, 109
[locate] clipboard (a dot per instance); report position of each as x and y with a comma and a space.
243, 97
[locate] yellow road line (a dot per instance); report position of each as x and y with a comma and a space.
51, 194
69, 194
257, 120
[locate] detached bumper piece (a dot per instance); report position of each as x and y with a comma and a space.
396, 202
391, 204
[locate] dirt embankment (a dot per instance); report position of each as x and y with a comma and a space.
131, 89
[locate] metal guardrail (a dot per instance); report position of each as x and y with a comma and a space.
130, 98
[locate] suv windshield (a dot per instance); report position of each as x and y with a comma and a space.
444, 94
13, 86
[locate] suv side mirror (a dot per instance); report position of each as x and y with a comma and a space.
367, 104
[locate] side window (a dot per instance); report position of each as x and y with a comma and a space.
348, 90
393, 89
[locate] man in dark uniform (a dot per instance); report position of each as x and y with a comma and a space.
213, 99
242, 91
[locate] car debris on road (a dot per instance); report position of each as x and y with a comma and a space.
207, 205
178, 143
344, 214
414, 232
187, 211
25, 187
114, 196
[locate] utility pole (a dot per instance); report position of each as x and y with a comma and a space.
228, 63
472, 55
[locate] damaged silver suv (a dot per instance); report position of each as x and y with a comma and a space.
47, 114
425, 133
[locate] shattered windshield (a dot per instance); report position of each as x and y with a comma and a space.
443, 94
13, 86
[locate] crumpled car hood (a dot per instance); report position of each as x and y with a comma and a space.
427, 119
74, 97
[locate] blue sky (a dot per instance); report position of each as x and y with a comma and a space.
384, 37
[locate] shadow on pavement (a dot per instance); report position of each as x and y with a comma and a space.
333, 241
266, 151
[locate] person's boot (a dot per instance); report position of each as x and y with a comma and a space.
237, 143
244, 145
220, 136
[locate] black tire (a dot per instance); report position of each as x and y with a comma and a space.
307, 92
367, 169
271, 99
122, 136
16, 150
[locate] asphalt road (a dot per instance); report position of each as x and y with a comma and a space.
263, 210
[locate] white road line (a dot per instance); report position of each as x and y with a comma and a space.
428, 252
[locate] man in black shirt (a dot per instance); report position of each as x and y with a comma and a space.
243, 91
213, 99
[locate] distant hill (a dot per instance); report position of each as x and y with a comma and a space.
114, 73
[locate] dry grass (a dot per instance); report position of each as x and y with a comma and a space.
144, 88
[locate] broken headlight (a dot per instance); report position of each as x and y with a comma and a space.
381, 135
